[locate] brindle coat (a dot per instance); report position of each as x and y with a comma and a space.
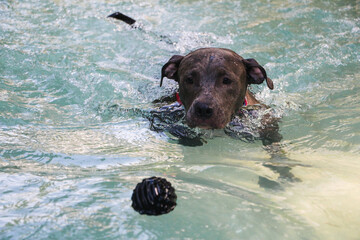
213, 84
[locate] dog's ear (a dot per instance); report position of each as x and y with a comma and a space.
256, 74
169, 70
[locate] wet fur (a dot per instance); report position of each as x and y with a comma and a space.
213, 84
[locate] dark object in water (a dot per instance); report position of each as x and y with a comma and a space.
154, 196
131, 22
122, 17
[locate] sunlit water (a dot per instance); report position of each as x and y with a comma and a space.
68, 164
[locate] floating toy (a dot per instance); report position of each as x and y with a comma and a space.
154, 196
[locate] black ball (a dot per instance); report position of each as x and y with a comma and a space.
154, 196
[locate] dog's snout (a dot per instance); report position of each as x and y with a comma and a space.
202, 110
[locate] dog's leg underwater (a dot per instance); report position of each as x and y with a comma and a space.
278, 162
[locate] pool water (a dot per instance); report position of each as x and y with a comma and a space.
69, 162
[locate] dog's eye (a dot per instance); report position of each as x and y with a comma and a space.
226, 81
189, 80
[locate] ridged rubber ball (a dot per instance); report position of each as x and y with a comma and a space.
154, 196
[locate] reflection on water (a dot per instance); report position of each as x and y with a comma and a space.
69, 161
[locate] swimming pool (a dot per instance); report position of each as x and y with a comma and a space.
69, 163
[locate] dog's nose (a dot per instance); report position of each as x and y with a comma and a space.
203, 110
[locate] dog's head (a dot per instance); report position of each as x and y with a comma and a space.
212, 84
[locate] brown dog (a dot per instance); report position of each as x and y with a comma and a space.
213, 84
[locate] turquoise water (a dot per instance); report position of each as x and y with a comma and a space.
69, 163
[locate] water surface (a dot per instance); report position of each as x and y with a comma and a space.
68, 162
